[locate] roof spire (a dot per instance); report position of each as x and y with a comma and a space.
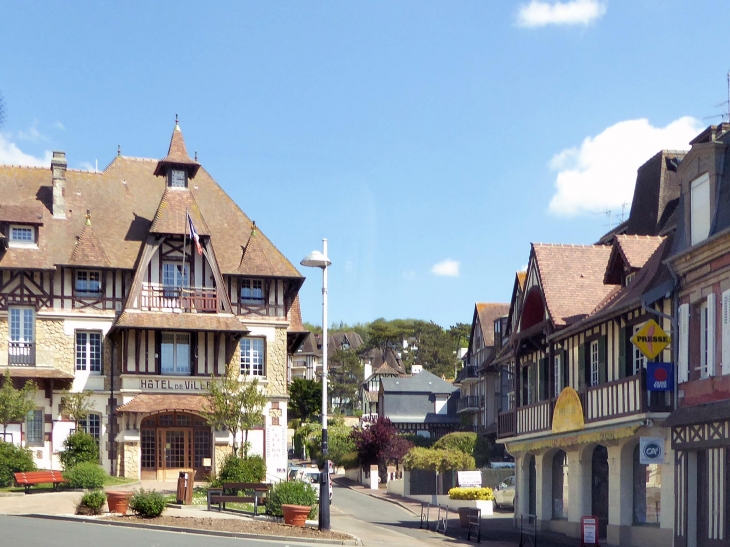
177, 123
119, 150
177, 155
88, 217
253, 228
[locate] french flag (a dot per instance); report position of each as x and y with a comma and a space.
194, 235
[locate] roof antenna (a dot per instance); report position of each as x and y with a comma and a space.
725, 116
119, 150
196, 155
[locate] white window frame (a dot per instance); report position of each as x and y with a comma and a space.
16, 229
629, 278
557, 374
725, 332
87, 283
638, 361
179, 339
683, 345
704, 370
253, 356
35, 441
252, 288
700, 218
85, 349
175, 274
25, 331
93, 429
173, 183
595, 378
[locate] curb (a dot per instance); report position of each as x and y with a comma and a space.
263, 537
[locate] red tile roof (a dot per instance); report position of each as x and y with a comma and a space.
488, 312
170, 217
180, 321
148, 402
636, 250
572, 279
89, 251
177, 154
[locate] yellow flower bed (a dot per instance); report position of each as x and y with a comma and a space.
485, 494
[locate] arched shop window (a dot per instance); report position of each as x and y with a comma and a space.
647, 491
560, 485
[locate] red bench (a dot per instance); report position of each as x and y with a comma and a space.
30, 478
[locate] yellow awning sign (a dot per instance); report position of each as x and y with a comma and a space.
651, 339
568, 413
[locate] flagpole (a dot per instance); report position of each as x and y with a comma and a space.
184, 246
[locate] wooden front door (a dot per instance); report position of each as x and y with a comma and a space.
177, 449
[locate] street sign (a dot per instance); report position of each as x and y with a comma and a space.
651, 339
651, 450
659, 376
588, 531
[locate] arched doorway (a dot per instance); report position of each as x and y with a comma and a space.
174, 442
599, 488
560, 485
532, 487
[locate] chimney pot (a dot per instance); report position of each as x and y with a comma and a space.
58, 168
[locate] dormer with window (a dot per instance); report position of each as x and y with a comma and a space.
22, 236
177, 178
87, 284
252, 292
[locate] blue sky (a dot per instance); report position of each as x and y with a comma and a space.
430, 142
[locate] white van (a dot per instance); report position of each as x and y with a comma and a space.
311, 476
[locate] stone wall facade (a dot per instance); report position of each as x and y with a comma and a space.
54, 348
276, 362
130, 453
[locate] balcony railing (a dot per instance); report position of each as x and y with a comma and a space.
616, 399
21, 354
470, 402
188, 299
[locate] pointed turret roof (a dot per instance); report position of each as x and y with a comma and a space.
89, 251
177, 155
261, 259
170, 216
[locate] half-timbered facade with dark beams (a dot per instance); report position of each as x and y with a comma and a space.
143, 284
700, 427
581, 385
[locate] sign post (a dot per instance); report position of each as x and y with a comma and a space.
588, 531
651, 450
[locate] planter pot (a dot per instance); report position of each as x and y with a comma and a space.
487, 507
118, 501
464, 516
295, 515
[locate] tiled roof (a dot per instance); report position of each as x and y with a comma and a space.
24, 214
636, 250
295, 317
171, 217
260, 258
89, 251
177, 154
148, 402
572, 279
386, 362
180, 321
488, 312
36, 372
423, 382
123, 200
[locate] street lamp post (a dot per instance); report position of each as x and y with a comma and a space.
315, 259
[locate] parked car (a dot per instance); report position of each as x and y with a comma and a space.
311, 476
504, 495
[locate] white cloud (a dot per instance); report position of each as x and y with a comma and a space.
600, 174
31, 134
575, 12
12, 155
446, 268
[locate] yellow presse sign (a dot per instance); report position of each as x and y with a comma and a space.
651, 339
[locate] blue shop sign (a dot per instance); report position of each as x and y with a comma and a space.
660, 376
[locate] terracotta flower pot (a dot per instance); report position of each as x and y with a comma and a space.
295, 514
118, 501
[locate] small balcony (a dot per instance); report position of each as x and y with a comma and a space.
21, 354
470, 403
156, 297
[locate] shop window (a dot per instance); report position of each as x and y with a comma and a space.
34, 428
175, 353
560, 485
647, 491
252, 357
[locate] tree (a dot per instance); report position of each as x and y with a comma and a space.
77, 405
305, 398
435, 349
463, 441
235, 405
345, 374
460, 333
15, 403
376, 443
314, 329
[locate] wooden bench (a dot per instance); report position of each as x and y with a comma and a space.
30, 478
252, 492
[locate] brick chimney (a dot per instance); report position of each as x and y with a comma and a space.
58, 167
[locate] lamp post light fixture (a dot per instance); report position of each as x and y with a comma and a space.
317, 259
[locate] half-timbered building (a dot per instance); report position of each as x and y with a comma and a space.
142, 284
700, 427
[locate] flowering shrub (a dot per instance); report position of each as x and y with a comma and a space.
471, 494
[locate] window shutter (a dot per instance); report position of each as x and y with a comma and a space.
622, 353
544, 380
566, 368
602, 361
711, 329
683, 346
581, 366
726, 332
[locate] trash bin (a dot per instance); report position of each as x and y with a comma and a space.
185, 488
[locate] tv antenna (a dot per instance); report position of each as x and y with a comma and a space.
725, 104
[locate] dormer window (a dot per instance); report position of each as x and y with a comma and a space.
629, 278
22, 236
700, 211
88, 283
252, 291
178, 178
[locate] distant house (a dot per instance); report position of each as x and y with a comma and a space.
307, 361
422, 403
378, 364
